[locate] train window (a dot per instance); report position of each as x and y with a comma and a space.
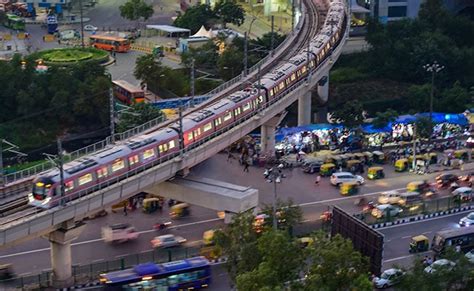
217, 121
197, 132
118, 165
237, 111
171, 144
312, 63
69, 185
149, 153
293, 77
303, 69
207, 127
260, 99
228, 116
102, 172
133, 160
163, 147
246, 106
281, 86
271, 92
85, 179
190, 136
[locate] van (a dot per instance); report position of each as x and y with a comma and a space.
410, 198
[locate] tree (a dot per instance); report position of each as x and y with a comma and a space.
262, 45
205, 57
455, 99
136, 9
230, 62
195, 17
350, 114
418, 98
288, 214
335, 265
424, 127
149, 70
138, 114
229, 12
382, 119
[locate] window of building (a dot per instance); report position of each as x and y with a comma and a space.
102, 172
397, 11
133, 160
118, 165
207, 127
149, 153
85, 179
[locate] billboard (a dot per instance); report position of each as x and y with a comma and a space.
366, 240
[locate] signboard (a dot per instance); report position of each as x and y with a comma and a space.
366, 240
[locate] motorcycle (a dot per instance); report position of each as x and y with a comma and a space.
161, 226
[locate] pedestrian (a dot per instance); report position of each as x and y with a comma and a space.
318, 179
246, 166
461, 164
125, 209
229, 156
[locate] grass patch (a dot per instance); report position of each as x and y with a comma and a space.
64, 56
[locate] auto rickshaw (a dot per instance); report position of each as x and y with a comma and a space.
353, 165
432, 158
379, 157
150, 205
461, 154
418, 158
418, 186
375, 173
208, 237
327, 169
349, 188
6, 272
369, 158
180, 210
401, 165
419, 243
359, 156
337, 160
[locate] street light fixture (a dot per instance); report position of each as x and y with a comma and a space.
433, 68
274, 175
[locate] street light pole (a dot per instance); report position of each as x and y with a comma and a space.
274, 175
272, 35
82, 24
433, 68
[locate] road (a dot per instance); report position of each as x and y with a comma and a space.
298, 186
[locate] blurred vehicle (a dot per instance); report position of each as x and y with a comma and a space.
119, 233
208, 237
305, 241
150, 205
326, 216
467, 177
326, 170
385, 210
462, 194
6, 272
161, 225
374, 173
379, 157
470, 256
419, 243
90, 27
344, 177
410, 198
388, 278
389, 197
368, 207
180, 210
418, 186
445, 180
467, 220
349, 188
440, 265
311, 167
97, 214
69, 34
167, 241
401, 165
463, 237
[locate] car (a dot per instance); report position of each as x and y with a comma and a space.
470, 256
389, 197
312, 166
167, 241
440, 264
467, 220
463, 193
343, 177
90, 27
446, 179
388, 278
386, 209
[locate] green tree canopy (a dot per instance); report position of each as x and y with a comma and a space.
149, 70
288, 214
195, 17
138, 114
205, 57
383, 118
136, 9
230, 62
228, 11
349, 113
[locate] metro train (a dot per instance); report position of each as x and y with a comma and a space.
145, 150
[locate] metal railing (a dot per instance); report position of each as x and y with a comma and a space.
87, 273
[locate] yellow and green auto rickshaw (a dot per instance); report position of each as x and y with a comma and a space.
375, 173
401, 165
379, 157
327, 169
418, 186
419, 243
180, 210
461, 154
150, 205
208, 237
353, 165
349, 188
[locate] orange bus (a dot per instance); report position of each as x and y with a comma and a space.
127, 93
110, 43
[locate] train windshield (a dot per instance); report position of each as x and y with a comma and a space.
40, 190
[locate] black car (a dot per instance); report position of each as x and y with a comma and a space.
446, 179
312, 167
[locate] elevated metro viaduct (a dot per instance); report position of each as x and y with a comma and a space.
59, 224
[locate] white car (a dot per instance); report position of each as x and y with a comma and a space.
388, 278
440, 264
467, 220
343, 177
167, 241
386, 210
470, 256
90, 27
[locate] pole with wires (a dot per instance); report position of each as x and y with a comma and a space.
192, 82
60, 165
112, 115
273, 36
245, 53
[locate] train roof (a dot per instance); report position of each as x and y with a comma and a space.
299, 59
163, 134
240, 96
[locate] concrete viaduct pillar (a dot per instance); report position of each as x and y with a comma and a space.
267, 134
304, 108
61, 261
323, 93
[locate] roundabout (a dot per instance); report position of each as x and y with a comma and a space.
69, 56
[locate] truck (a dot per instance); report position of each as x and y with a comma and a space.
118, 233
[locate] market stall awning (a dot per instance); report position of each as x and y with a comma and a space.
168, 28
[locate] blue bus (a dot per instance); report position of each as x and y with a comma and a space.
193, 273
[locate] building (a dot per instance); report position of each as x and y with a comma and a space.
57, 5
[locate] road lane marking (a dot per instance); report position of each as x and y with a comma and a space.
346, 198
407, 236
398, 258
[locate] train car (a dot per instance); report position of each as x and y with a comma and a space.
276, 81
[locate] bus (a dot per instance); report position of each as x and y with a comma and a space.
127, 93
110, 43
463, 237
193, 273
14, 22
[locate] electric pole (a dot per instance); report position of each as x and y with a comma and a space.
272, 36
82, 24
112, 115
245, 53
192, 82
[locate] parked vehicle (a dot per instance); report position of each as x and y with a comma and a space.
401, 165
119, 233
150, 205
379, 157
167, 241
388, 278
90, 27
311, 167
442, 264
